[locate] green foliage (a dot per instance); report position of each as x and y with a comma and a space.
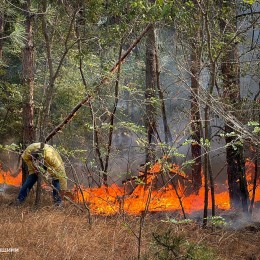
142, 142
12, 147
10, 113
199, 252
181, 155
139, 181
234, 138
187, 142
132, 127
249, 1
235, 144
256, 130
176, 221
230, 134
187, 163
205, 143
169, 245
17, 37
256, 126
217, 221
253, 123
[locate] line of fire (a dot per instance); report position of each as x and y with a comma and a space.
165, 187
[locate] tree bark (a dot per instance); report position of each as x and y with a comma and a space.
150, 94
254, 181
195, 118
1, 34
231, 92
112, 117
207, 164
167, 132
28, 81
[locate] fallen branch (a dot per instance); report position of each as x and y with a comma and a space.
103, 80
72, 202
68, 118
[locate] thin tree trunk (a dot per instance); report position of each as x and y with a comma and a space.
206, 167
151, 82
112, 117
167, 132
179, 198
53, 74
207, 137
254, 182
48, 42
195, 118
212, 188
28, 82
96, 145
1, 34
206, 193
256, 163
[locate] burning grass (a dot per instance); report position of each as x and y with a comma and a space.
49, 233
7, 178
170, 196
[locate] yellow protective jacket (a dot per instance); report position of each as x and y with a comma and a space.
52, 160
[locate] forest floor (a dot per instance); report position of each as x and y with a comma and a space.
65, 233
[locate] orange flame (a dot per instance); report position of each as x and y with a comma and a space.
114, 199
7, 178
111, 200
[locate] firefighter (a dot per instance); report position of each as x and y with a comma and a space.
43, 159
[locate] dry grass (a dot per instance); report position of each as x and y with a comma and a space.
49, 233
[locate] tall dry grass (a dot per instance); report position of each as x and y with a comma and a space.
51, 233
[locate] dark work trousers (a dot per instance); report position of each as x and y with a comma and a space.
30, 181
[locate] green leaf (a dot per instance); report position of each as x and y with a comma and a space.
179, 154
249, 1
188, 163
256, 130
166, 10
253, 123
186, 142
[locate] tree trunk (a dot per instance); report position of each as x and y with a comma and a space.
195, 118
1, 34
234, 152
150, 94
54, 73
167, 132
207, 164
236, 174
112, 118
28, 82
